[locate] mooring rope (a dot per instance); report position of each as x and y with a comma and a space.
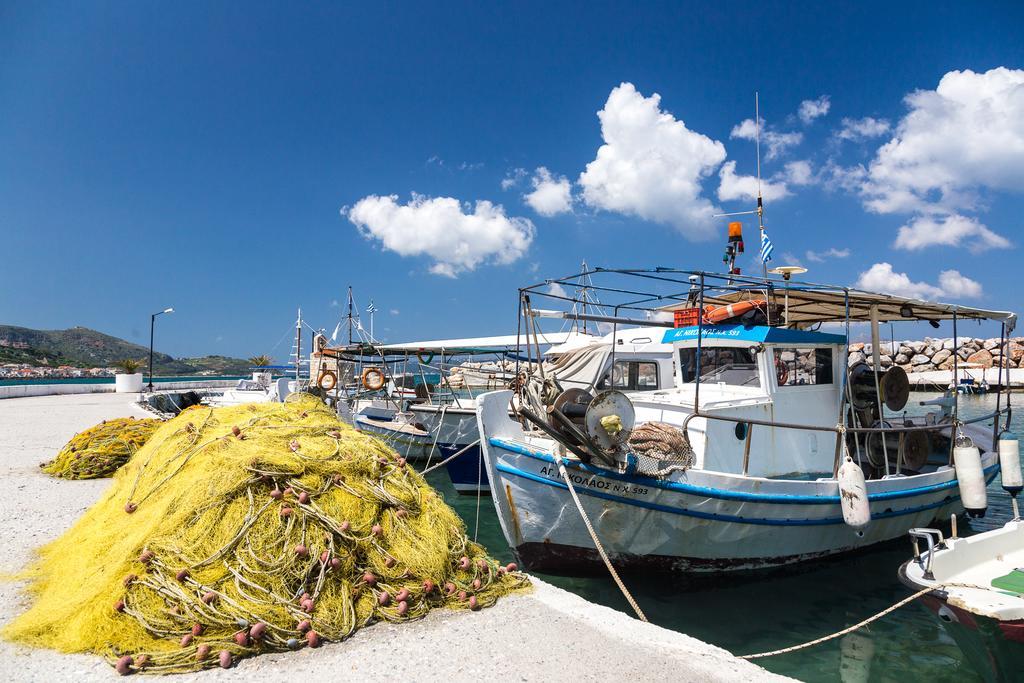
597, 542
861, 624
437, 436
450, 457
479, 494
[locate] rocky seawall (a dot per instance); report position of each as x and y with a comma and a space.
940, 354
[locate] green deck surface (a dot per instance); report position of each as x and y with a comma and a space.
1012, 582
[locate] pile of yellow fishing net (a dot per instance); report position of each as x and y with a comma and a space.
250, 529
99, 451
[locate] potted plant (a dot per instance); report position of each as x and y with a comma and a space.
128, 379
258, 373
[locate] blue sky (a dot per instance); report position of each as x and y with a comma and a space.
201, 155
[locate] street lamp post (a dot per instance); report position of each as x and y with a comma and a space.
152, 325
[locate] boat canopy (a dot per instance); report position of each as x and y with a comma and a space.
808, 304
497, 344
650, 296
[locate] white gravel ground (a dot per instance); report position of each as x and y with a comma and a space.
548, 635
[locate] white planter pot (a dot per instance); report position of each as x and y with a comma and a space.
128, 384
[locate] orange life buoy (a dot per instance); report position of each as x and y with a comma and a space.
717, 315
373, 379
328, 380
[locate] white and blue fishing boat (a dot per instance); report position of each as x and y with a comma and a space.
766, 451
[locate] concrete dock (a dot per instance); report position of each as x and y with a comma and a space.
549, 634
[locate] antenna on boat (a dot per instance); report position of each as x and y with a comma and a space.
759, 211
760, 200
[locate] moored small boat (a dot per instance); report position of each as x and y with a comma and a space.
977, 593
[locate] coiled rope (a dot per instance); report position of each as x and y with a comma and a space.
597, 542
861, 624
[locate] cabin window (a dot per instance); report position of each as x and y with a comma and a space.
726, 365
631, 375
803, 366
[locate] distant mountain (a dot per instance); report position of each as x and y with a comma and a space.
82, 347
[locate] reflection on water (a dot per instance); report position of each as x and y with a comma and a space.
794, 605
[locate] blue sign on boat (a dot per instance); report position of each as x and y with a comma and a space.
754, 333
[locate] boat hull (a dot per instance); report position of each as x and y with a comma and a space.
412, 444
994, 647
693, 521
458, 429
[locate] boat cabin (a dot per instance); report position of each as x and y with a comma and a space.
763, 373
626, 360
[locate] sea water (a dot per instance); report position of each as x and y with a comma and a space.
110, 380
760, 612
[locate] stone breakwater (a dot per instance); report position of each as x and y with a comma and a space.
939, 354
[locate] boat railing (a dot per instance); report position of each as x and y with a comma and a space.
934, 539
840, 428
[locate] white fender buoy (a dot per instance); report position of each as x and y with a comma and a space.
970, 476
853, 494
856, 653
1009, 463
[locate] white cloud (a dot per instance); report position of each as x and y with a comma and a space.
775, 142
812, 109
551, 194
513, 178
882, 278
927, 231
821, 256
839, 177
556, 289
334, 303
956, 285
966, 135
732, 186
435, 160
798, 172
745, 129
956, 144
651, 165
862, 129
440, 229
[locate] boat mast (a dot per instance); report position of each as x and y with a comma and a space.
298, 344
350, 315
760, 199
583, 296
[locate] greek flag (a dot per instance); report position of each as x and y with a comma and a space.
371, 309
766, 248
